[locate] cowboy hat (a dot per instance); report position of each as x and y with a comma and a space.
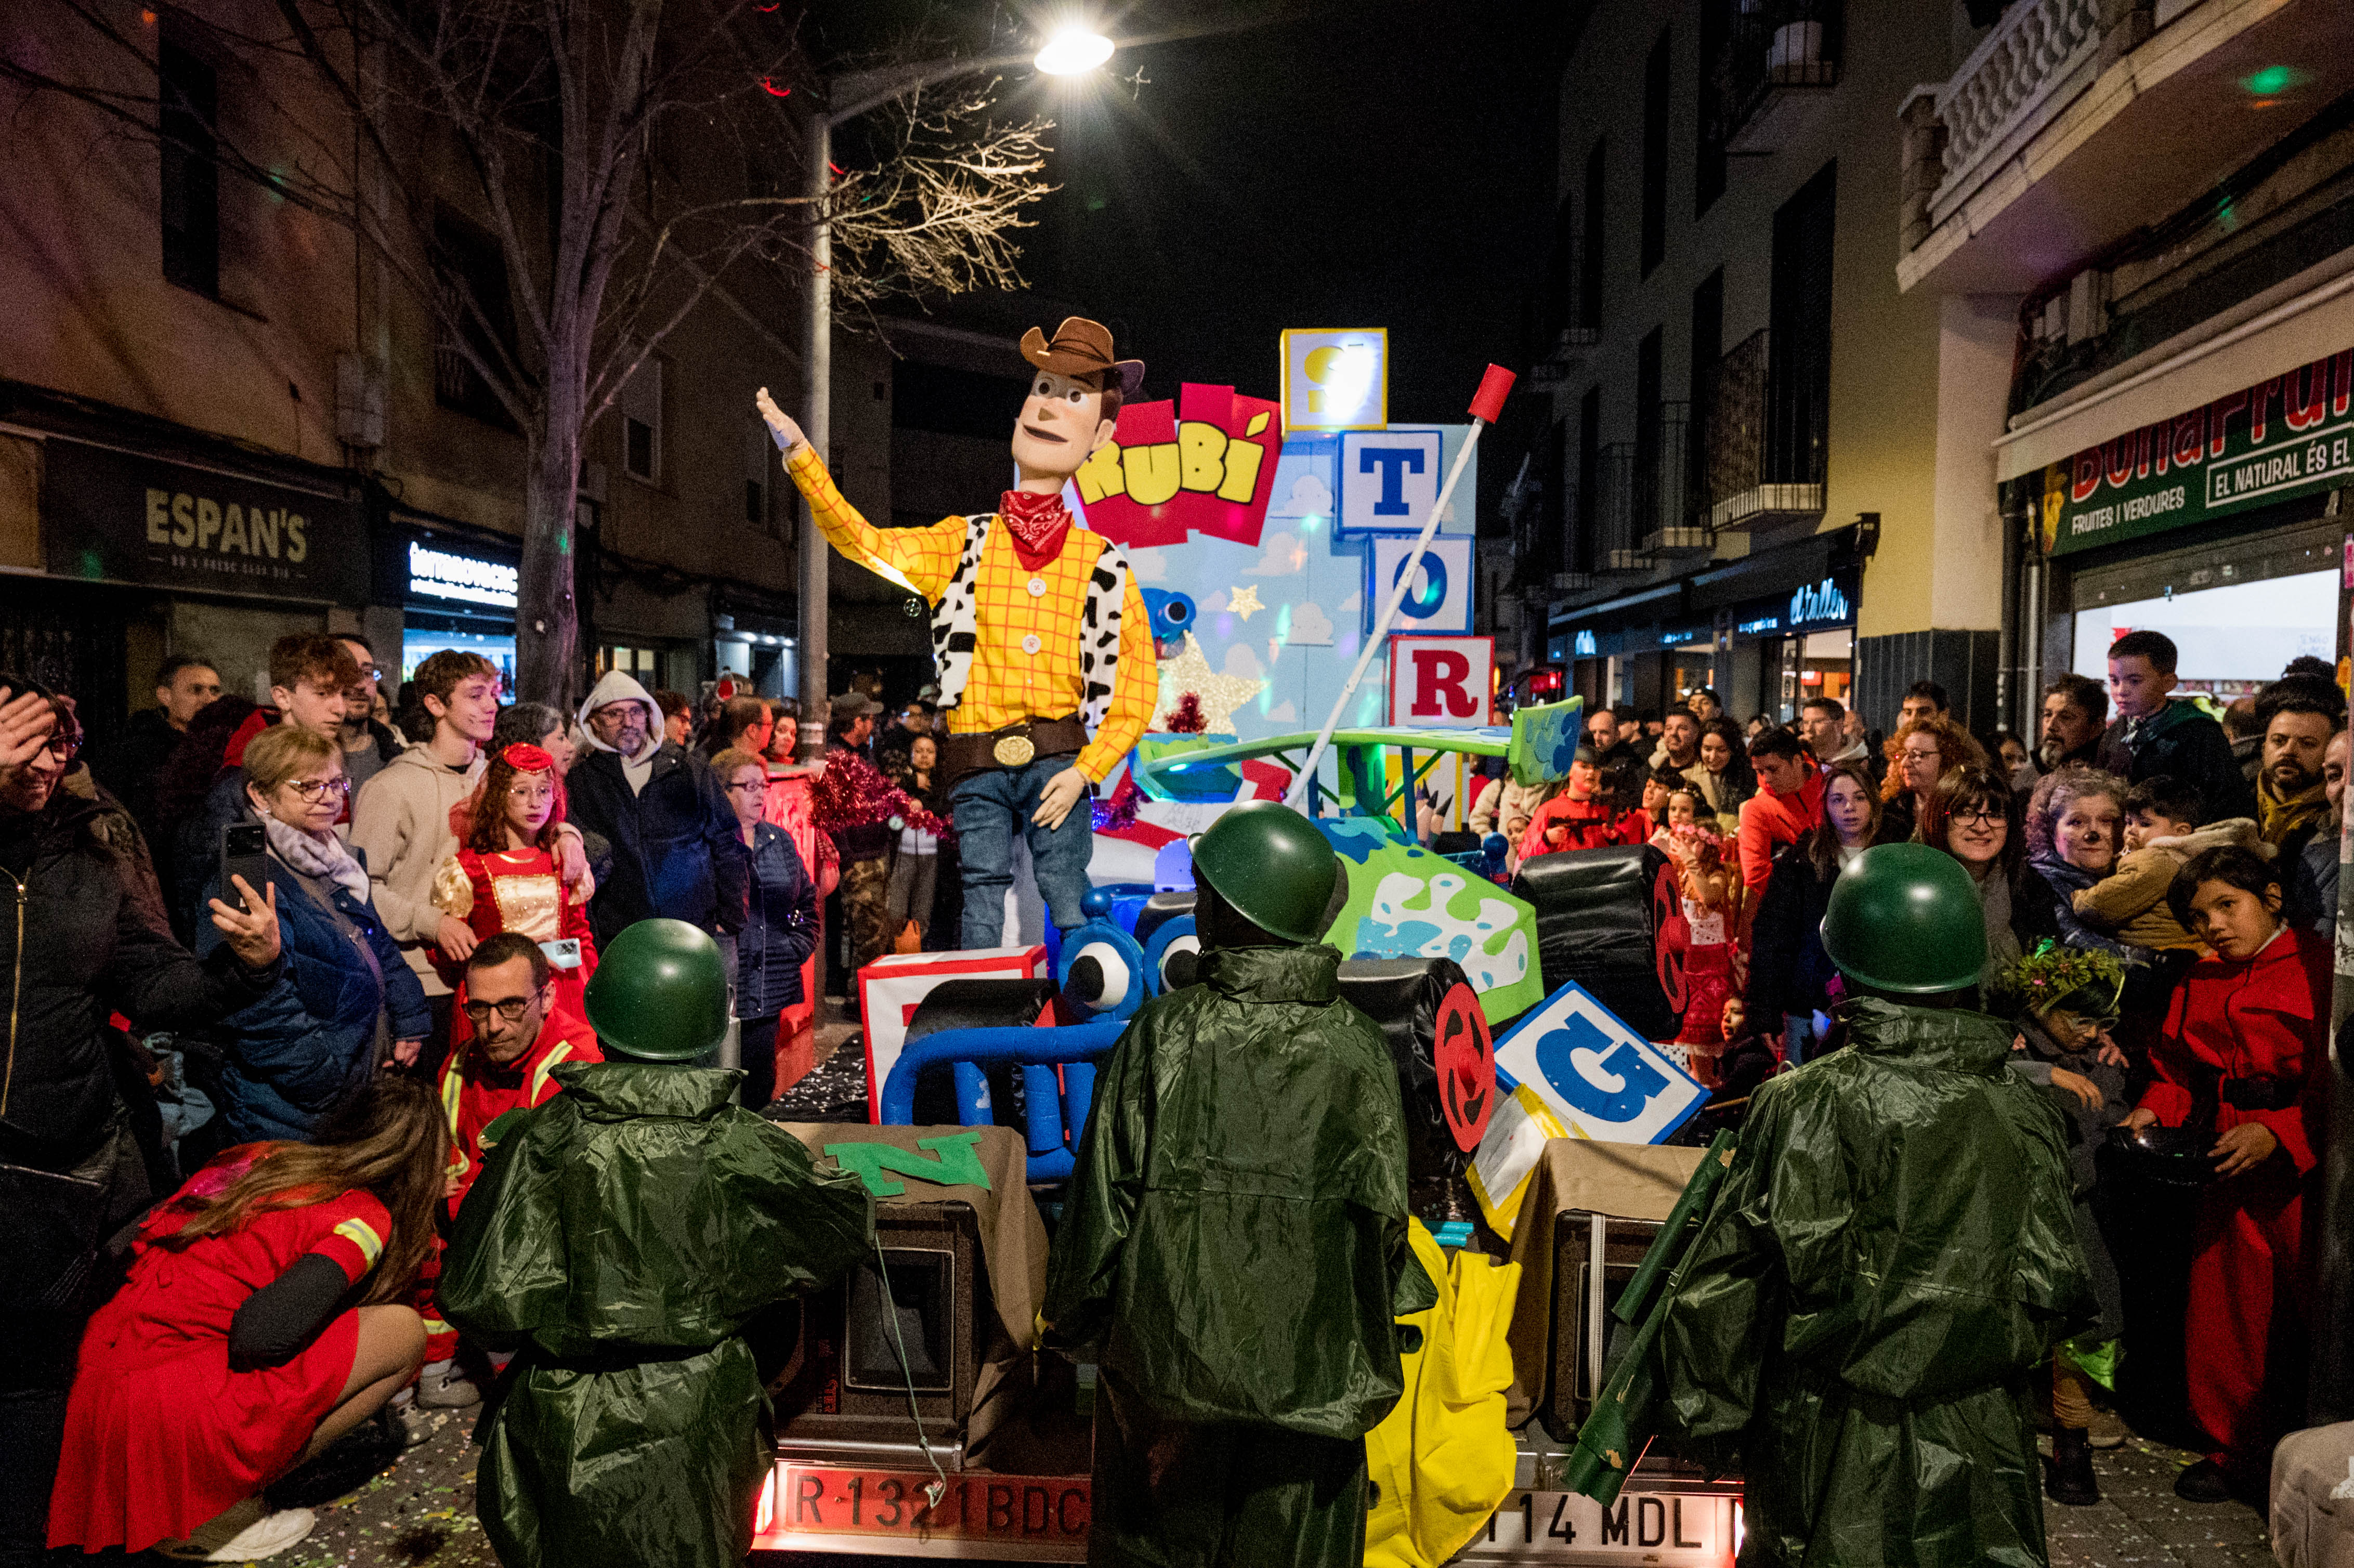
1082, 348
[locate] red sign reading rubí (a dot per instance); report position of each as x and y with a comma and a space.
2289, 434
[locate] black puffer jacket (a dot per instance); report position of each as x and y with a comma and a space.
1787, 967
74, 947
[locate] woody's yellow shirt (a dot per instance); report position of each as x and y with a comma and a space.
1025, 657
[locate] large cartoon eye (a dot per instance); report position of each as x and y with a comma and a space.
1098, 978
1046, 387
1076, 396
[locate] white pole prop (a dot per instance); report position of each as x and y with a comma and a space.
1484, 408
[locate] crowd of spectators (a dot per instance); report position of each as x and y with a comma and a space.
247, 925
2168, 878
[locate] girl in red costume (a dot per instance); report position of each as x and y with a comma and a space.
1712, 910
2244, 1036
229, 1356
505, 877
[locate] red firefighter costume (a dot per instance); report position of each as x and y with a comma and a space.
162, 1433
513, 890
476, 1092
2267, 1018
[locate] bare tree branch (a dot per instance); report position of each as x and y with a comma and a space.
593, 137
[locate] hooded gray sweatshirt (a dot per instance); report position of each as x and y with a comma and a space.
617, 687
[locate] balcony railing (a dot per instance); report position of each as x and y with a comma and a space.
1763, 464
1663, 474
1554, 371
1772, 51
1615, 547
2036, 53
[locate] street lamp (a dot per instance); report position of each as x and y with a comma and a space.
1072, 50
1069, 51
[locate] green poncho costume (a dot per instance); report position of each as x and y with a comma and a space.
1235, 1245
621, 1236
1891, 1256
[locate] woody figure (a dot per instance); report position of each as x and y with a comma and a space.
1039, 630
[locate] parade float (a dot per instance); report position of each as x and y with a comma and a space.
915, 1413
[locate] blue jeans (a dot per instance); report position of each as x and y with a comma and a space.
989, 809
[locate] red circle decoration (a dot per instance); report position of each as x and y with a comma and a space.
1673, 937
1466, 1058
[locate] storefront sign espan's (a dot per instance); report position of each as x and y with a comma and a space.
118, 516
2287, 436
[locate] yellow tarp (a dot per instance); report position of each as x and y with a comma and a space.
1442, 1460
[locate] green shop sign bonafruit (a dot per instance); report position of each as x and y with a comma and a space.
2287, 436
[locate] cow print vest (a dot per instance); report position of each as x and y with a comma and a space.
954, 624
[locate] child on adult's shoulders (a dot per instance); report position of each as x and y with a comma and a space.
2162, 832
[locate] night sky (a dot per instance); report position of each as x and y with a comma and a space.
1356, 166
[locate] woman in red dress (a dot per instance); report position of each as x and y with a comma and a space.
227, 1356
2244, 1038
505, 877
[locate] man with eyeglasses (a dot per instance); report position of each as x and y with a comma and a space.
369, 743
521, 1034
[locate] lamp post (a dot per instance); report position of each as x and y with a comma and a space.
1067, 53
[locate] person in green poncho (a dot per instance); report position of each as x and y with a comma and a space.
1892, 1254
1234, 1244
621, 1237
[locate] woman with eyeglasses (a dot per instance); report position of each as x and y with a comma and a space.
505, 877
347, 1002
1971, 814
779, 924
1921, 752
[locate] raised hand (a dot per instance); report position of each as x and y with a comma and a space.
781, 427
252, 930
24, 726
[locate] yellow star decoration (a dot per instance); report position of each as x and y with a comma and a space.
1220, 694
1244, 600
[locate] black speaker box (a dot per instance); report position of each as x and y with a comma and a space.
1599, 912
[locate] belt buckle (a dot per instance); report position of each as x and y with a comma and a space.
1014, 751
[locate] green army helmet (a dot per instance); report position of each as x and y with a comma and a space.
1905, 918
660, 993
1272, 866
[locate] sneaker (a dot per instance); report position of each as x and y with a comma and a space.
2108, 1429
446, 1385
242, 1534
410, 1425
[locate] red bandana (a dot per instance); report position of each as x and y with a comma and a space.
1036, 521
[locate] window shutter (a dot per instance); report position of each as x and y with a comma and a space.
641, 423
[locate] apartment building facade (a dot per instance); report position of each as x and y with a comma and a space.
324, 460
2158, 196
1744, 484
